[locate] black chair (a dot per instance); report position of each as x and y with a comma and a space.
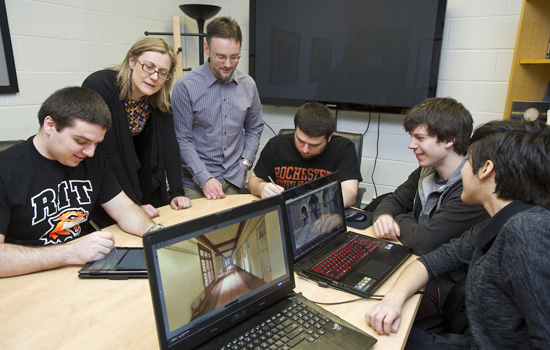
375, 202
8, 143
456, 319
357, 140
453, 317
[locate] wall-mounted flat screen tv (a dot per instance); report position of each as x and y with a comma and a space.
376, 55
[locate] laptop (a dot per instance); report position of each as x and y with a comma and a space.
225, 281
120, 264
320, 240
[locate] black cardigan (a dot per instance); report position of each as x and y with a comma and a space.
141, 163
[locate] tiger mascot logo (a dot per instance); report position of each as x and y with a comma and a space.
65, 226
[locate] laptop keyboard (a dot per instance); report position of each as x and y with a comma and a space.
284, 331
342, 260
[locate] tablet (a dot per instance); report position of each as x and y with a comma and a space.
120, 263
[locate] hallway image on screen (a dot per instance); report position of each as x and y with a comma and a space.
207, 272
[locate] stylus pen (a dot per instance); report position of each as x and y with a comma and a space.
94, 225
273, 182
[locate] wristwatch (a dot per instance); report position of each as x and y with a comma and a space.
247, 163
155, 228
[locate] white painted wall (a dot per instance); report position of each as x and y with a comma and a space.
58, 43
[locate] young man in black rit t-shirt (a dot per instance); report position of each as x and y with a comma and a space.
50, 183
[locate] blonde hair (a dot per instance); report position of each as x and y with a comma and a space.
161, 99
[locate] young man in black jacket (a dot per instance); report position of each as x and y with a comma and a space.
426, 210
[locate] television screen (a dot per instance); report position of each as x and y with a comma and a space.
352, 54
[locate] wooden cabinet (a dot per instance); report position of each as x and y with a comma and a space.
530, 74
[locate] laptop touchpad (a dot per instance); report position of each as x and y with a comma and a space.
375, 269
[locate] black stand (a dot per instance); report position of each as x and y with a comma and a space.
200, 13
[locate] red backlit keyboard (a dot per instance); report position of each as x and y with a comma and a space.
342, 260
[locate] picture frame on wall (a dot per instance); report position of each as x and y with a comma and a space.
285, 56
320, 59
8, 76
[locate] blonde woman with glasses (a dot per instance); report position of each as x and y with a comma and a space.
141, 145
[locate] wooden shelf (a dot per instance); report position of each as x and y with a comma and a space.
540, 61
530, 73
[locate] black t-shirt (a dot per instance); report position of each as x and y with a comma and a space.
281, 160
44, 202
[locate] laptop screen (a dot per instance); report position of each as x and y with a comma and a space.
208, 273
315, 212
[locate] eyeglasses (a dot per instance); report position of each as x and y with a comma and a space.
222, 59
147, 68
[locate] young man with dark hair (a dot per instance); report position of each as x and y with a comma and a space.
508, 282
310, 152
50, 183
426, 210
217, 116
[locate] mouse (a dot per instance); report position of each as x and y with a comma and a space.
356, 216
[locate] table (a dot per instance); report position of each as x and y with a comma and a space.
56, 310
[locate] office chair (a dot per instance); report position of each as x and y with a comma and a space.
455, 309
453, 317
8, 143
357, 140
